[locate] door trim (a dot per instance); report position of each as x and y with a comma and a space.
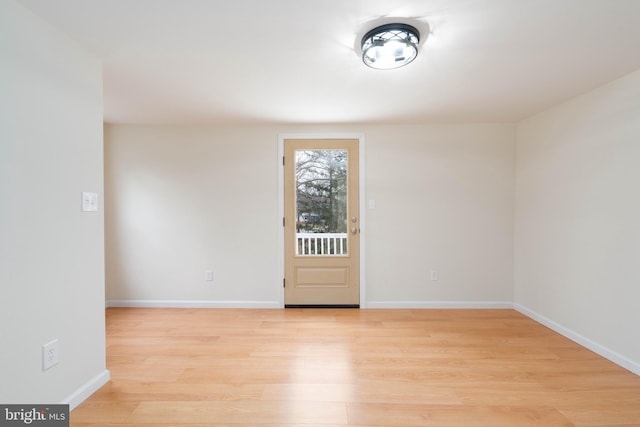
361, 204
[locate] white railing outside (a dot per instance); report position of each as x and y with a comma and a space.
321, 244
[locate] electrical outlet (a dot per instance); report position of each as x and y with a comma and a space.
208, 275
89, 202
435, 276
50, 355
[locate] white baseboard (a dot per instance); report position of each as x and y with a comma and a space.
439, 304
611, 355
192, 304
84, 392
275, 304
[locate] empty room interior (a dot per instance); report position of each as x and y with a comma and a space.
298, 213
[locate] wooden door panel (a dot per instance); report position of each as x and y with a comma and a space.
322, 277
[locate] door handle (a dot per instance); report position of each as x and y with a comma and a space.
354, 230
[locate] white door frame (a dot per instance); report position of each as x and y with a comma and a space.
361, 203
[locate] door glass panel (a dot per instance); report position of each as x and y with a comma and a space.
321, 202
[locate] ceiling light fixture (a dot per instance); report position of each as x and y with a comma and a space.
390, 46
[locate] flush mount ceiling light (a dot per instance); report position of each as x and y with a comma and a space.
390, 46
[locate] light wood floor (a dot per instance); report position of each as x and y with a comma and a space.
327, 368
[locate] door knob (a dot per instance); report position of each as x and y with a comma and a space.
354, 230
354, 219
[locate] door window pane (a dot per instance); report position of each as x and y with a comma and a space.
321, 202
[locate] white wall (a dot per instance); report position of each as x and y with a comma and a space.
444, 201
181, 200
577, 229
51, 254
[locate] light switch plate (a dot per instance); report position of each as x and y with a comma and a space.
89, 202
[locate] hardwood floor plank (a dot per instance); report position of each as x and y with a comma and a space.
600, 415
349, 367
248, 412
103, 410
456, 415
136, 392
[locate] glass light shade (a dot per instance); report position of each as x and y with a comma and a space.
390, 46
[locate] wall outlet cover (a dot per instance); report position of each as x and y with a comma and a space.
89, 202
50, 354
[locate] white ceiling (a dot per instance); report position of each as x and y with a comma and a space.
297, 61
